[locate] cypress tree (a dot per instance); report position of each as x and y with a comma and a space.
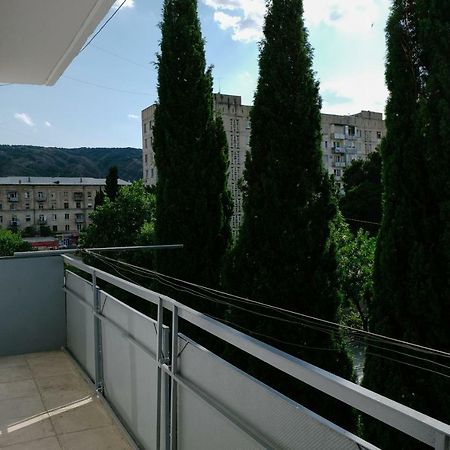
412, 265
284, 255
112, 185
193, 204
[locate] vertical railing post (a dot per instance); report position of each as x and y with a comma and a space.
174, 370
159, 361
442, 442
98, 353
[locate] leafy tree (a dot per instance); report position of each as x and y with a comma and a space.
99, 199
193, 204
284, 255
112, 185
355, 260
412, 268
122, 222
12, 242
362, 199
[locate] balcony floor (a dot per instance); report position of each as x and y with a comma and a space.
46, 404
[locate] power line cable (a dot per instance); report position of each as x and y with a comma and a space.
103, 26
362, 221
105, 87
296, 322
319, 324
123, 58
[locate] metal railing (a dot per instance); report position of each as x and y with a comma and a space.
425, 429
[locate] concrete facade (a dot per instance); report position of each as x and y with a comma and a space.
344, 139
63, 204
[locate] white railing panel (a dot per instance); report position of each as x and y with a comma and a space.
263, 418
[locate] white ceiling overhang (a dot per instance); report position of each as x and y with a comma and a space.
40, 38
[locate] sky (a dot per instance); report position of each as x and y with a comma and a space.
98, 100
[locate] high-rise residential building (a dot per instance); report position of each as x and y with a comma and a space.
63, 204
344, 139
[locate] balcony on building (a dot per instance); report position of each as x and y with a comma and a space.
339, 164
79, 218
41, 196
42, 220
80, 368
14, 222
78, 196
12, 196
338, 149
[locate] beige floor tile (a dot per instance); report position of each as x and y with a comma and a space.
60, 390
84, 415
8, 361
23, 420
50, 443
18, 389
15, 373
107, 438
54, 364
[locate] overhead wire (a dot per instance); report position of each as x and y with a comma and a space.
159, 277
103, 26
171, 285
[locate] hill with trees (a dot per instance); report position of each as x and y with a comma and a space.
28, 160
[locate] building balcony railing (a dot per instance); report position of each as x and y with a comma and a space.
338, 150
338, 136
13, 197
167, 390
339, 164
79, 218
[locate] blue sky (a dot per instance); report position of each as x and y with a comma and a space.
98, 100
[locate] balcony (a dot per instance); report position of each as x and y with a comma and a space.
41, 196
339, 164
340, 136
79, 218
78, 196
12, 196
42, 220
339, 150
166, 390
14, 223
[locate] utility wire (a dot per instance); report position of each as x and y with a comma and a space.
103, 26
305, 320
362, 221
105, 87
123, 58
251, 332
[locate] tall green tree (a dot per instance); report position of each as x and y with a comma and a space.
361, 202
284, 255
12, 242
193, 203
412, 268
112, 183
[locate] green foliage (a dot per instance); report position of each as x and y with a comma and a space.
123, 222
355, 260
29, 232
99, 198
362, 198
284, 255
12, 242
32, 161
112, 183
193, 204
412, 266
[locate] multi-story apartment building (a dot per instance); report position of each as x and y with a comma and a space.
62, 204
344, 138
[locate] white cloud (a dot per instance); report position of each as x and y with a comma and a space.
349, 16
127, 4
133, 117
48, 124
359, 90
25, 118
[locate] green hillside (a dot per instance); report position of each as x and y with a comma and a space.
27, 160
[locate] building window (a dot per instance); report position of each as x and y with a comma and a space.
145, 128
67, 227
12, 206
55, 217
89, 205
27, 206
1, 206
28, 218
66, 205
378, 134
89, 194
79, 226
27, 195
41, 206
53, 195
145, 158
1, 219
67, 216
152, 171
78, 205
55, 228
326, 144
145, 143
66, 194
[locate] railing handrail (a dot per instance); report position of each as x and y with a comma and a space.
420, 426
